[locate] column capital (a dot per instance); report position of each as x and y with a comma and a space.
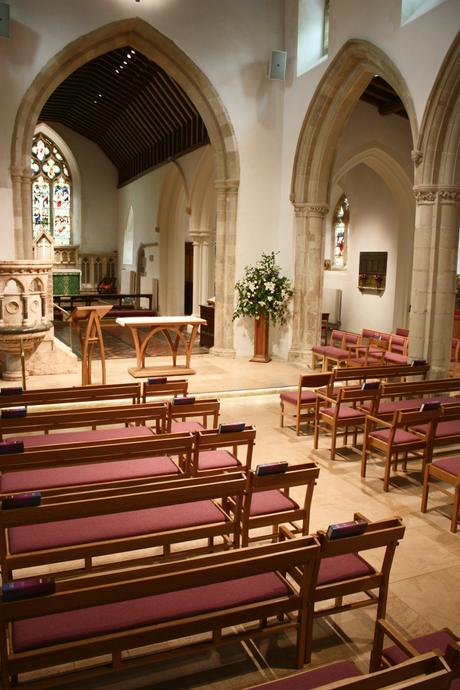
201, 236
302, 209
430, 194
20, 174
227, 186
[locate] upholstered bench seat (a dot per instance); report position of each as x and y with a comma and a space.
344, 412
274, 501
395, 358
330, 351
346, 567
85, 436
387, 408
293, 396
315, 678
85, 623
401, 436
48, 478
181, 427
216, 459
444, 430
426, 643
450, 465
96, 528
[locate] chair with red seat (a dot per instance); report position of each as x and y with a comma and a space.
343, 571
446, 470
267, 502
343, 411
216, 450
398, 438
183, 413
300, 404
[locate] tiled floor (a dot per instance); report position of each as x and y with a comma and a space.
424, 592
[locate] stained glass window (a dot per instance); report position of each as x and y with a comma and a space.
51, 191
340, 223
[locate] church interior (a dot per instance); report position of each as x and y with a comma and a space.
152, 154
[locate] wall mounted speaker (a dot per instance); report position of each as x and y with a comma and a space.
277, 66
4, 19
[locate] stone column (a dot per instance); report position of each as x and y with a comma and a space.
308, 280
22, 200
227, 201
434, 275
202, 270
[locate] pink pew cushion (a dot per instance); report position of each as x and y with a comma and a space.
85, 530
401, 436
450, 465
414, 404
345, 412
395, 358
264, 502
177, 427
309, 680
344, 567
43, 631
34, 480
425, 643
85, 436
443, 429
292, 397
336, 352
210, 459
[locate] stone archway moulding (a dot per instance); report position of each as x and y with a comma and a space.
437, 196
157, 47
330, 108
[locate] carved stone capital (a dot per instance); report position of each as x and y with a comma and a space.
425, 195
449, 195
227, 186
431, 194
300, 209
318, 210
19, 174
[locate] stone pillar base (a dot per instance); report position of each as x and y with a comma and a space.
52, 357
222, 352
301, 357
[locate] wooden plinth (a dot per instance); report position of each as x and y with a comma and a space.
260, 340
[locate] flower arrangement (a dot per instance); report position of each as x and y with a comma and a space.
263, 291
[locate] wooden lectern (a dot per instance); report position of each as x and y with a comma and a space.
89, 336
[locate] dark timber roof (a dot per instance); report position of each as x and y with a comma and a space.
382, 96
131, 108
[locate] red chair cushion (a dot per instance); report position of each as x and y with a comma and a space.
85, 530
400, 436
85, 436
395, 358
443, 429
292, 397
264, 502
43, 631
309, 680
425, 643
215, 459
450, 465
336, 352
345, 412
34, 480
345, 567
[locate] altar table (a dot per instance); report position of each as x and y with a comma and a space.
162, 324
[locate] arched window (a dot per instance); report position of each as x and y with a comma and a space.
51, 191
340, 222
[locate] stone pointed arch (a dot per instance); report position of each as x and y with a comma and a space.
437, 195
157, 47
330, 108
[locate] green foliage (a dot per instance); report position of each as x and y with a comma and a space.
263, 291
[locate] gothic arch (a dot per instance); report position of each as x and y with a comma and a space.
332, 104
330, 108
154, 45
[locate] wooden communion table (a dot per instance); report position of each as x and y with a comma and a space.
173, 328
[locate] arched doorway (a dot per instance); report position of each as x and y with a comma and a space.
329, 111
165, 53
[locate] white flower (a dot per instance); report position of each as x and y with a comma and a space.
270, 286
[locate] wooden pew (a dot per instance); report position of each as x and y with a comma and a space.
133, 417
73, 467
388, 371
87, 525
164, 390
211, 452
426, 672
182, 417
410, 395
108, 392
206, 594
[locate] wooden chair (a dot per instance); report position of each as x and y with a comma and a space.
217, 451
343, 412
344, 571
163, 389
300, 404
267, 502
425, 672
443, 642
446, 470
395, 440
184, 417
